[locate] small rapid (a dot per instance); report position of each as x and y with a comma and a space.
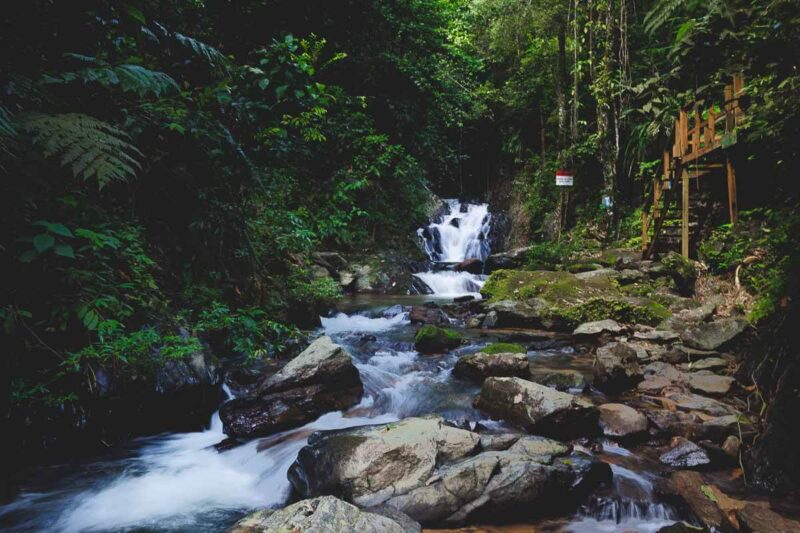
461, 233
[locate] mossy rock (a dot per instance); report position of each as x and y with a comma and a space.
504, 347
432, 339
682, 270
561, 301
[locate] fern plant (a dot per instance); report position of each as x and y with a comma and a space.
211, 55
91, 147
130, 78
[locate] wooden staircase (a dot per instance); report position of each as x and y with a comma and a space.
698, 157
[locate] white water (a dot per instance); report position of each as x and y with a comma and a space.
446, 243
342, 323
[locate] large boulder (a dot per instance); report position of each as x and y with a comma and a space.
712, 335
325, 514
621, 421
321, 379
473, 266
431, 339
537, 408
617, 367
436, 473
423, 314
479, 366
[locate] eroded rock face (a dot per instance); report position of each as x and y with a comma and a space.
617, 368
436, 473
712, 335
323, 514
537, 408
621, 421
321, 379
479, 366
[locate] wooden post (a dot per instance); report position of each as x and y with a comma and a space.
685, 213
711, 132
733, 209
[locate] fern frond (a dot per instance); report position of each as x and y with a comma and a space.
210, 54
90, 147
660, 13
130, 78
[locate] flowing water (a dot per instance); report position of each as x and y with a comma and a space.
179, 482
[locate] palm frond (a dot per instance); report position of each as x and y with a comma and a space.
130, 78
660, 13
91, 147
210, 54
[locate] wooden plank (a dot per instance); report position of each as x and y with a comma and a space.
685, 213
684, 133
733, 208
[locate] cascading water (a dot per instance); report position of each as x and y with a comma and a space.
460, 234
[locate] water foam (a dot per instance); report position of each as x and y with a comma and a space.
344, 323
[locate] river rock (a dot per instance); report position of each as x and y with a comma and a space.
431, 339
511, 313
511, 259
687, 488
479, 366
695, 402
490, 320
421, 314
325, 514
759, 519
616, 367
710, 383
684, 454
712, 335
711, 363
675, 422
563, 380
321, 379
434, 473
598, 327
619, 420
537, 408
656, 335
473, 266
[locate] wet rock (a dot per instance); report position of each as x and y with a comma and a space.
685, 454
420, 314
712, 335
619, 420
431, 339
321, 379
369, 464
656, 335
490, 320
711, 384
429, 470
511, 259
598, 327
474, 322
536, 408
731, 446
675, 423
616, 367
759, 519
473, 266
323, 514
418, 286
393, 311
463, 299
479, 366
695, 402
563, 380
687, 488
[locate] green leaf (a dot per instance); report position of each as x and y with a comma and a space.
263, 83
43, 242
28, 256
64, 250
708, 493
59, 229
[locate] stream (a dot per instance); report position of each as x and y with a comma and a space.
179, 482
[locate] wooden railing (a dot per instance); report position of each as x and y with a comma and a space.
695, 137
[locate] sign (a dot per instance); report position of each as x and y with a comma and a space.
564, 178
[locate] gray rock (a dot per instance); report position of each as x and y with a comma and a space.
687, 318
598, 327
537, 408
617, 367
479, 366
325, 514
684, 454
511, 313
321, 379
564, 380
695, 402
712, 335
497, 442
421, 314
628, 276
430, 472
664, 370
675, 423
710, 383
603, 272
710, 363
490, 321
656, 335
619, 420
654, 384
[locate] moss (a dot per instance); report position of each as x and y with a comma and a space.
626, 311
522, 285
504, 347
432, 339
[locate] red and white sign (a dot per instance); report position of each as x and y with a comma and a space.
564, 178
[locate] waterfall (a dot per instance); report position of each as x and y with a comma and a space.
459, 234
